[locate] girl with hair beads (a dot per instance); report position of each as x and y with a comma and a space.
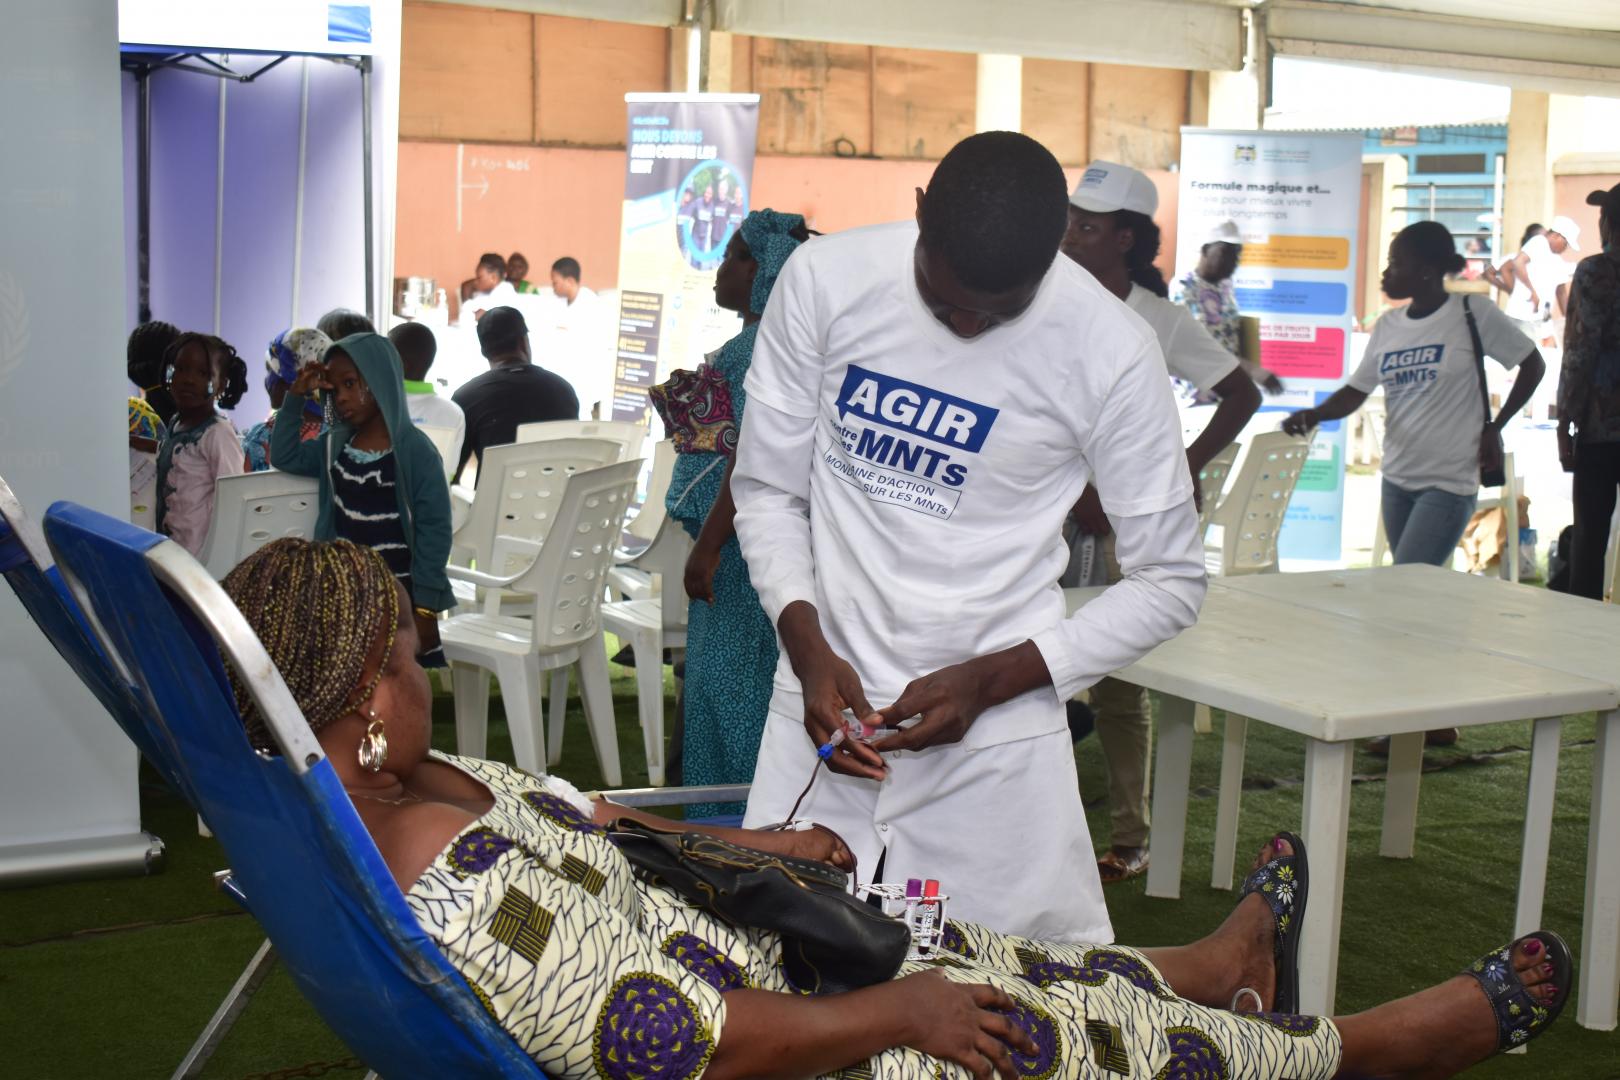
382, 482
200, 373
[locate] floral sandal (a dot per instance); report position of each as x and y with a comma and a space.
1284, 883
1520, 1017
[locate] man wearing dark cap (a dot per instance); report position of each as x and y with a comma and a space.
926, 402
1589, 398
513, 391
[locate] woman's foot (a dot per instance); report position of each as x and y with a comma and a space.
1441, 1031
1239, 955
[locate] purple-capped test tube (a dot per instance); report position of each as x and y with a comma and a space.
914, 888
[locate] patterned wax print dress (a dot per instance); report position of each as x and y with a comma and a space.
598, 974
731, 643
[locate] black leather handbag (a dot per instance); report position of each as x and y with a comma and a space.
831, 942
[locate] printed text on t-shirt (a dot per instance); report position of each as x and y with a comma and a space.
900, 466
1404, 371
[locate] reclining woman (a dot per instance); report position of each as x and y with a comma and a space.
598, 973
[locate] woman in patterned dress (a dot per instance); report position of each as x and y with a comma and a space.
730, 641
596, 973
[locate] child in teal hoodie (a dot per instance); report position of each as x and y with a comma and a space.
382, 483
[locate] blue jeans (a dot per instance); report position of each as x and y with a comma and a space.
1424, 526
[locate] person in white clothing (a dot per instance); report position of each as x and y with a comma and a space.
926, 402
1541, 267
574, 339
1111, 233
417, 348
490, 289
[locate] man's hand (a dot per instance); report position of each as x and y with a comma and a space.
700, 567
1088, 514
830, 686
948, 701
1270, 383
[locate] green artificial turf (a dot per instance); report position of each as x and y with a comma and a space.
115, 978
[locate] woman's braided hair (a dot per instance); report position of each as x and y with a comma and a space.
319, 609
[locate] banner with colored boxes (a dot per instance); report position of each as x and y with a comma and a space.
1292, 199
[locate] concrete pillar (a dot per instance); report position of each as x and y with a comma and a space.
1000, 102
1234, 100
1527, 190
685, 59
716, 75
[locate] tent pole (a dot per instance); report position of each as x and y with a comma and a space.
365, 138
143, 195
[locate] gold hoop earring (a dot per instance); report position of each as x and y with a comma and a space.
374, 747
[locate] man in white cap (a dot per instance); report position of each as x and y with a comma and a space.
1111, 234
1207, 292
925, 403
1541, 265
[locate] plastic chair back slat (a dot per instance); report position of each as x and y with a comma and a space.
519, 488
1251, 515
627, 434
252, 509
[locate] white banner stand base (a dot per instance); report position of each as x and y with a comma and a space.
95, 857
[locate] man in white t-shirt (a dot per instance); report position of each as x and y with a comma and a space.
925, 404
1111, 233
1541, 266
574, 341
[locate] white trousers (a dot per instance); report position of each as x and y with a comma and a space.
1000, 827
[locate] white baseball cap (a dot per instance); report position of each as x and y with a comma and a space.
1226, 232
1107, 186
1567, 228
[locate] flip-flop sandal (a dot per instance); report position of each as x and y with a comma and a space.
1114, 868
1520, 1017
1284, 882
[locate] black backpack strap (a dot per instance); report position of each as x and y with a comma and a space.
1479, 358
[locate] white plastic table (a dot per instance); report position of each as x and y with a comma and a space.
1334, 680
1549, 629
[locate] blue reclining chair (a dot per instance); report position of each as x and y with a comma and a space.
318, 885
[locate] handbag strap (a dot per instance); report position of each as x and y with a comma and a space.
1479, 358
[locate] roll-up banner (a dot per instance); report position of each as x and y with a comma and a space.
689, 169
1295, 197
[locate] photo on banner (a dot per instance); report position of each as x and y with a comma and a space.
1295, 197
688, 174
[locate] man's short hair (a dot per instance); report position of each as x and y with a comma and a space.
501, 331
995, 210
567, 267
416, 346
490, 260
340, 322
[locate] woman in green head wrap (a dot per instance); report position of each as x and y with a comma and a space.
730, 643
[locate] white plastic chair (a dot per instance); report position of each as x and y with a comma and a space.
252, 509
519, 491
1212, 481
628, 580
1612, 570
1251, 514
564, 582
444, 441
649, 626
627, 434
